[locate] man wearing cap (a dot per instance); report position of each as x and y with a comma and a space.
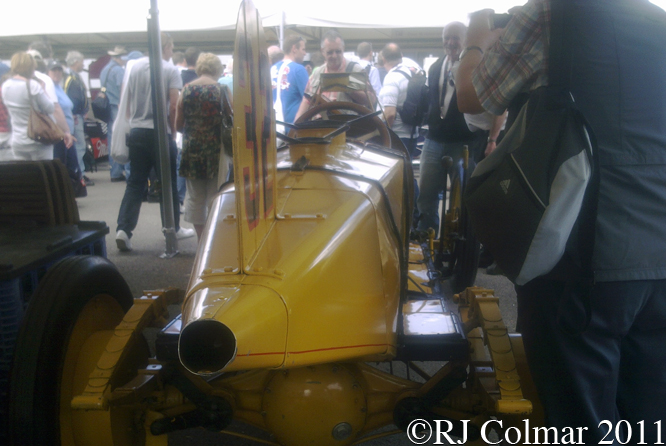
111, 79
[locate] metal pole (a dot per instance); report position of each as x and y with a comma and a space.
160, 125
281, 37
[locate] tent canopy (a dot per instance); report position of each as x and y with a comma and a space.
95, 27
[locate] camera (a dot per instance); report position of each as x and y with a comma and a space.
499, 20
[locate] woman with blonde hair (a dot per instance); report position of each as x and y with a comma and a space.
199, 116
17, 100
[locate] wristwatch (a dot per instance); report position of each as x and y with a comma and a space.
469, 48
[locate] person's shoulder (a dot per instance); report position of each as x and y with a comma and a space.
356, 67
116, 68
139, 67
317, 71
171, 68
397, 74
436, 65
45, 78
297, 67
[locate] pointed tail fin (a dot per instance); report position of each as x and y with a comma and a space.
255, 150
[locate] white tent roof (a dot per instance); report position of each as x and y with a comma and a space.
52, 17
94, 26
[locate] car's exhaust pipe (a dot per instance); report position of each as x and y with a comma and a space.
206, 346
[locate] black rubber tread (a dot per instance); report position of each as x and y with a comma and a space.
35, 375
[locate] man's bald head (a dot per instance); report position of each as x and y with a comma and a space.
275, 54
392, 55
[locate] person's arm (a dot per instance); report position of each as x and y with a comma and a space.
301, 81
42, 100
375, 81
173, 102
495, 128
388, 97
180, 115
45, 104
59, 116
310, 89
305, 105
479, 38
366, 98
389, 113
360, 97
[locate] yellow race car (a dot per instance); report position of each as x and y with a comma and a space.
306, 286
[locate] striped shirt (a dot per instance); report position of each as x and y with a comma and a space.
517, 61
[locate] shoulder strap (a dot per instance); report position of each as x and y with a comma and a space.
350, 66
27, 85
106, 78
68, 82
404, 74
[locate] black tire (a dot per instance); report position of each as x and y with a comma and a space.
467, 251
55, 309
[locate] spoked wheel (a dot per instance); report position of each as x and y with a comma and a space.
371, 129
66, 328
463, 245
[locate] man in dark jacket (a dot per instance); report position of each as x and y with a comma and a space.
611, 368
447, 129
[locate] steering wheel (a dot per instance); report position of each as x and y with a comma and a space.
363, 130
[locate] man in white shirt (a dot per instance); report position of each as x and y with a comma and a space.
142, 142
393, 94
365, 55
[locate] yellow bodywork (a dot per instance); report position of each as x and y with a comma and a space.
334, 246
303, 274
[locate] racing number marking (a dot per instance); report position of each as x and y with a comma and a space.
259, 163
251, 196
266, 92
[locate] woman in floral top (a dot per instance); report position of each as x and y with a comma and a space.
199, 116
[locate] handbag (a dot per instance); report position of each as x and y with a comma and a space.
121, 127
227, 123
542, 180
525, 197
101, 106
40, 126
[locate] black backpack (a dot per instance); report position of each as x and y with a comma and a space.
415, 108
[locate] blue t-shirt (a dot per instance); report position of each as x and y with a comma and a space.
292, 87
67, 105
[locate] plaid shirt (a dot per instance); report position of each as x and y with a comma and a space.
517, 61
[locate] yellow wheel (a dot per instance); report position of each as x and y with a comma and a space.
66, 327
